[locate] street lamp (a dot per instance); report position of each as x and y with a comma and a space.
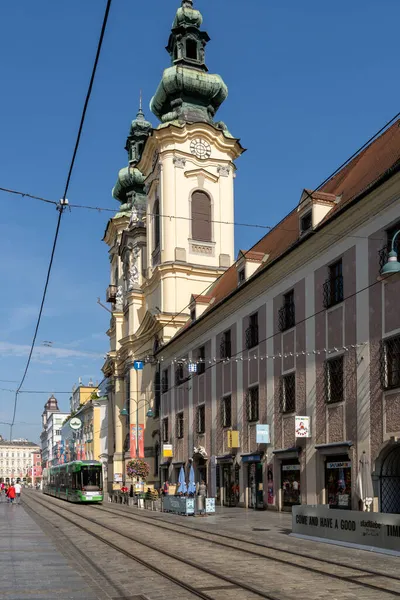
124, 413
392, 266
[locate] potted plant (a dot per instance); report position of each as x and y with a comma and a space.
139, 469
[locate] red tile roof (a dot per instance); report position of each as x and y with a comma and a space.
361, 173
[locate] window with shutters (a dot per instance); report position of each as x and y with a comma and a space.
179, 425
201, 217
226, 411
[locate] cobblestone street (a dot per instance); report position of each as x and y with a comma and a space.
52, 549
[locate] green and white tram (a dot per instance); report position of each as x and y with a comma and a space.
78, 481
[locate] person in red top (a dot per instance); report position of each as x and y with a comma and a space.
11, 493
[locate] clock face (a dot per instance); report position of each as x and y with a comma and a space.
75, 423
200, 148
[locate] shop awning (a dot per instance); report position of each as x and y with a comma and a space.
226, 459
252, 457
287, 453
334, 448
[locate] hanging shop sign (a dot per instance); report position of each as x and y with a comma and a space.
167, 451
75, 423
302, 427
262, 434
233, 439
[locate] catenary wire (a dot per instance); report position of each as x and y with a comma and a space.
61, 206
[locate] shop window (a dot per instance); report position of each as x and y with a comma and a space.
252, 402
201, 217
333, 287
179, 425
226, 411
390, 363
225, 349
201, 419
338, 482
334, 372
201, 358
165, 430
164, 381
252, 332
288, 393
290, 477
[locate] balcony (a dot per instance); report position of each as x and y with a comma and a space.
286, 317
111, 294
333, 291
251, 336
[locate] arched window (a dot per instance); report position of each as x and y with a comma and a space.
156, 216
201, 217
191, 49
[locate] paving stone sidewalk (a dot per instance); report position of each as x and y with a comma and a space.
31, 566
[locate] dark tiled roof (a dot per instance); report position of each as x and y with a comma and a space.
13, 443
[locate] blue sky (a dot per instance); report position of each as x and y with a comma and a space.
308, 83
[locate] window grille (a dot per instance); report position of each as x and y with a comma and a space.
226, 411
179, 425
201, 419
334, 380
252, 332
333, 287
288, 393
165, 432
286, 315
252, 404
164, 381
225, 349
201, 367
390, 363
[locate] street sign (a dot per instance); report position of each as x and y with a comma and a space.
262, 434
138, 365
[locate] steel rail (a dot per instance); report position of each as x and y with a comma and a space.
154, 548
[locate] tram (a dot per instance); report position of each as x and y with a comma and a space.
78, 481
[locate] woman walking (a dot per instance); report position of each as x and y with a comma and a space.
11, 493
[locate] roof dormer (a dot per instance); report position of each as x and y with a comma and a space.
313, 208
247, 264
198, 305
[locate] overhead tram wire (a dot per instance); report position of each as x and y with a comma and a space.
62, 204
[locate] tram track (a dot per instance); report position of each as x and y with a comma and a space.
352, 578
236, 585
204, 535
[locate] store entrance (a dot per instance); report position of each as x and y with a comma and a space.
338, 482
255, 485
290, 477
228, 485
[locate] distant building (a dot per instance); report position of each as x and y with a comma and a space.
81, 395
52, 420
16, 459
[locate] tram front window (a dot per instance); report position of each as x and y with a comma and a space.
91, 478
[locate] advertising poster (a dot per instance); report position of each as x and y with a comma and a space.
270, 483
133, 441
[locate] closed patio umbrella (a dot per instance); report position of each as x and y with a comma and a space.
182, 489
192, 483
365, 490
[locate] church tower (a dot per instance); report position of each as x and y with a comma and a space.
172, 237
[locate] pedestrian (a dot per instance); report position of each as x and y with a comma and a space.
11, 493
18, 488
166, 488
202, 493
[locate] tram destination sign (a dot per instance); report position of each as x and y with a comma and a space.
371, 531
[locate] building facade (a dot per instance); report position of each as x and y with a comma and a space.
289, 369
52, 421
17, 459
82, 394
172, 237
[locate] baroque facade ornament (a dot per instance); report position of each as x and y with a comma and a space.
133, 273
179, 162
224, 170
119, 299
